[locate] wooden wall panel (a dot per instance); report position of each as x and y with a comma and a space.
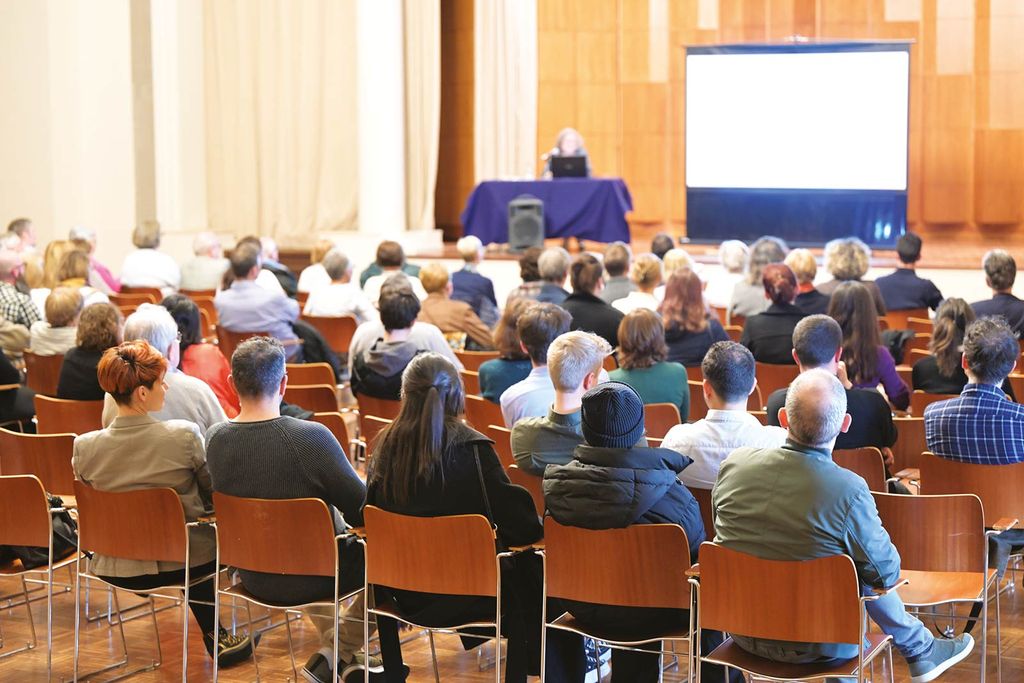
455, 154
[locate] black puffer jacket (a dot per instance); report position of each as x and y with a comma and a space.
612, 488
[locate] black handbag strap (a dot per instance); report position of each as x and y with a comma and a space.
483, 487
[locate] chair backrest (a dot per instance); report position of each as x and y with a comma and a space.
46, 456
337, 331
707, 511
480, 412
532, 483
914, 357
334, 421
719, 313
919, 400
865, 462
502, 438
129, 300
694, 374
472, 360
998, 486
24, 512
320, 398
379, 407
919, 341
610, 363
60, 416
906, 374
698, 406
883, 324
289, 536
920, 324
470, 382
309, 373
198, 293
42, 372
735, 332
805, 600
761, 415
659, 418
302, 298
639, 566
370, 426
898, 320
154, 293
772, 376
1016, 381
453, 555
910, 442
228, 340
207, 311
935, 533
145, 524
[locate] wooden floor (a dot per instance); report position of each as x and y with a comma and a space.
101, 646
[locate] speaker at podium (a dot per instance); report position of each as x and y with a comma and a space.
525, 223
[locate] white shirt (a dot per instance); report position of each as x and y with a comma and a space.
718, 291
47, 340
187, 398
313, 278
90, 296
424, 335
269, 282
635, 300
203, 272
151, 268
532, 397
711, 440
372, 287
336, 300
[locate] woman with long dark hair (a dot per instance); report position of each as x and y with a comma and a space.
769, 335
868, 363
428, 463
513, 363
199, 359
690, 329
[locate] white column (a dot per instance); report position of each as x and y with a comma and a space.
380, 106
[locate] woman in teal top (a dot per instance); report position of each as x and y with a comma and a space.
513, 363
642, 364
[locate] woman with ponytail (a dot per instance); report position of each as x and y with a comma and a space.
428, 463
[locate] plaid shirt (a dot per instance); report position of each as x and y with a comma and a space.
17, 307
981, 427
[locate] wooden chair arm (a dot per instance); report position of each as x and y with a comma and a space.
694, 571
529, 547
9, 387
357, 531
909, 473
1004, 523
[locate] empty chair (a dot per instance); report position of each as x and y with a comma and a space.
42, 372
198, 293
865, 462
472, 360
154, 293
309, 373
60, 416
46, 456
659, 418
320, 398
337, 332
128, 300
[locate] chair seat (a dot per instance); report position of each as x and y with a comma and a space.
567, 622
731, 654
935, 588
239, 591
15, 567
389, 610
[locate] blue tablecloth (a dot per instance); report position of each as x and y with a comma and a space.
585, 208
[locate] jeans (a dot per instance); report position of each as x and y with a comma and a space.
1000, 547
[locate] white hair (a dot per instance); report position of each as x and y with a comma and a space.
204, 242
153, 324
83, 233
732, 254
815, 407
469, 247
269, 247
553, 264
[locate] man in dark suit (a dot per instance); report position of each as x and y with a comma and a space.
589, 313
470, 286
903, 289
1000, 273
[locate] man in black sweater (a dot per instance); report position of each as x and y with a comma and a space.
589, 313
261, 454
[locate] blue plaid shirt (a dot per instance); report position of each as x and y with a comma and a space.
981, 427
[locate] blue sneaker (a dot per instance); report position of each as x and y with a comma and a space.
943, 655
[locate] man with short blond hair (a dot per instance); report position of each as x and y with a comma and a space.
451, 316
470, 286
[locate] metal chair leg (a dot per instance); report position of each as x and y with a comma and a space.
291, 646
31, 622
255, 658
999, 640
433, 657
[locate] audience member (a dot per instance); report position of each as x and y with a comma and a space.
76, 272
589, 313
53, 257
247, 307
340, 296
204, 271
553, 265
14, 306
99, 328
642, 364
377, 371
538, 327
147, 267
188, 398
470, 286
748, 294
1000, 274
84, 238
941, 372
805, 268
903, 289
529, 272
661, 244
14, 339
271, 261
57, 334
818, 345
513, 363
450, 316
809, 508
137, 450
574, 364
429, 463
769, 335
732, 255
675, 260
391, 260
868, 363
847, 259
24, 234
197, 358
646, 277
261, 454
17, 403
729, 380
617, 260
265, 279
377, 267
315, 276
689, 329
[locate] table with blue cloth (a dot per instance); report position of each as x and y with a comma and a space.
584, 208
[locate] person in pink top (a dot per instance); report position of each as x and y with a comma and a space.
100, 278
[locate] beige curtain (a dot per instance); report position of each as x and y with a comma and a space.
280, 84
422, 108
505, 88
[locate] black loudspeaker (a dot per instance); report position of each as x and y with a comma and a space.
525, 223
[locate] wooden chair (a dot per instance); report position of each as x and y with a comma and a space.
502, 438
735, 320
532, 483
808, 601
638, 566
155, 294
126, 299
42, 372
25, 521
761, 415
898, 320
1016, 381
449, 555
207, 327
735, 332
921, 325
302, 298
334, 421
208, 314
919, 341
320, 398
943, 550
470, 381
707, 512
369, 427
291, 537
46, 456
906, 374
771, 376
698, 406
659, 418
144, 524
198, 293
480, 412
883, 324
309, 373
61, 416
919, 400
337, 331
610, 363
910, 442
472, 360
694, 374
228, 340
998, 486
866, 462
913, 358
721, 313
